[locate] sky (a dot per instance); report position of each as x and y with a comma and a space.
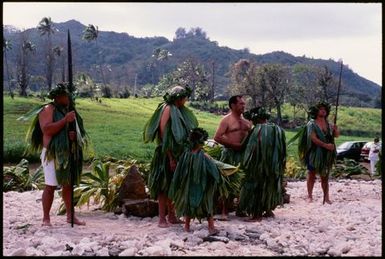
348, 31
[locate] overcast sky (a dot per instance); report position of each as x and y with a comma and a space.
351, 32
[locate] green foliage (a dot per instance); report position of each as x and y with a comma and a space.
212, 107
18, 178
294, 169
214, 152
347, 168
102, 187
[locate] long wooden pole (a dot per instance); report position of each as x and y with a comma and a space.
338, 94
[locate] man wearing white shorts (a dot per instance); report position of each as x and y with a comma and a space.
50, 129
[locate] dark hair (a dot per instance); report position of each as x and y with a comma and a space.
256, 115
376, 139
234, 100
313, 110
198, 136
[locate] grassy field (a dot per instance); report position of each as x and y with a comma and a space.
115, 125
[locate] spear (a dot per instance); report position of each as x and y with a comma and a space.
335, 120
71, 126
338, 94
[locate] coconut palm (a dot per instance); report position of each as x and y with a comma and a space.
58, 51
91, 33
7, 46
46, 28
23, 78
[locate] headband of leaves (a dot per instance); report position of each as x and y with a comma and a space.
176, 93
256, 114
58, 90
313, 110
198, 136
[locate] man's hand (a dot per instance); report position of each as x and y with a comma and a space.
72, 135
329, 147
70, 117
336, 131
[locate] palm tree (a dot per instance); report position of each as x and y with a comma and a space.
58, 51
23, 77
46, 28
157, 65
6, 47
91, 33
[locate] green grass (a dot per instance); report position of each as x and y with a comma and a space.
115, 125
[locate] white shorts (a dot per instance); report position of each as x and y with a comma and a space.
48, 169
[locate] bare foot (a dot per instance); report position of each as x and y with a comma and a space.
46, 223
77, 221
163, 224
213, 231
327, 201
309, 200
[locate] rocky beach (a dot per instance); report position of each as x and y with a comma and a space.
350, 226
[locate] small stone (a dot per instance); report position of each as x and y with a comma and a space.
129, 252
102, 252
19, 252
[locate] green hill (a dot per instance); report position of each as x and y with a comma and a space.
129, 57
115, 125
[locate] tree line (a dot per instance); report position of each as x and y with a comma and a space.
265, 84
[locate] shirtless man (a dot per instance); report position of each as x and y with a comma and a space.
49, 129
232, 130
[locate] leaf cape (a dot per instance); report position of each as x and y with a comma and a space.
311, 154
181, 121
264, 164
194, 184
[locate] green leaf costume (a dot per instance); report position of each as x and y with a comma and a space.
181, 121
264, 164
195, 181
59, 146
231, 183
316, 158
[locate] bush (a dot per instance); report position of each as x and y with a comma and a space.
18, 178
347, 168
294, 169
14, 152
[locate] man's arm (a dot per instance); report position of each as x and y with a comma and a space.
222, 139
163, 120
320, 143
47, 125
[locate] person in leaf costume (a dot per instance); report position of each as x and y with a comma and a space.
232, 131
195, 181
316, 148
49, 134
264, 165
169, 126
